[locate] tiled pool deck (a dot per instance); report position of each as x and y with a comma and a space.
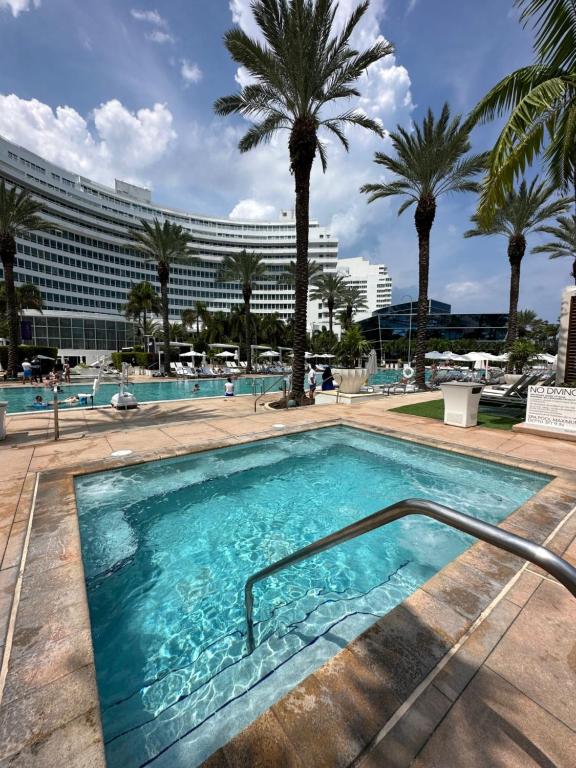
476, 668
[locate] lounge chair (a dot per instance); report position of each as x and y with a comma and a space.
515, 394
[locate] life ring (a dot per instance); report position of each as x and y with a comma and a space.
408, 372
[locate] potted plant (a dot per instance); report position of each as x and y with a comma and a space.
349, 352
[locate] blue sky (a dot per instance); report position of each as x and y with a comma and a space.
120, 88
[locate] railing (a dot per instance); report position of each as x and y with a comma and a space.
265, 390
500, 538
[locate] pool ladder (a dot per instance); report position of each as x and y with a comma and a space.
517, 545
264, 390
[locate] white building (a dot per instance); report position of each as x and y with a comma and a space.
86, 265
372, 280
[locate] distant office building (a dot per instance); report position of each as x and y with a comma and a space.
399, 322
372, 280
86, 265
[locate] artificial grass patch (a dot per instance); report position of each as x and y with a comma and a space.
434, 409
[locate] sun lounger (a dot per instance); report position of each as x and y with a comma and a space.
515, 394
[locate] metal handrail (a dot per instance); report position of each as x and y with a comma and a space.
510, 542
265, 390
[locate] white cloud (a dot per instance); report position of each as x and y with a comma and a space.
411, 5
161, 32
191, 73
18, 6
113, 142
152, 17
253, 210
159, 36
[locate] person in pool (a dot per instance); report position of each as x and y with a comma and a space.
196, 387
229, 388
39, 402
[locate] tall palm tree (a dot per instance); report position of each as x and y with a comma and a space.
19, 213
540, 101
142, 299
272, 329
564, 243
522, 211
289, 276
28, 296
353, 300
430, 161
247, 269
329, 288
302, 67
165, 244
199, 313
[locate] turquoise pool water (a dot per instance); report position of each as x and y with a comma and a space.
167, 547
21, 398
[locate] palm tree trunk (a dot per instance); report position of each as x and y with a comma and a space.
247, 331
516, 250
302, 147
143, 319
330, 316
163, 276
423, 219
8, 256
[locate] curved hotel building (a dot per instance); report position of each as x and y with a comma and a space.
86, 265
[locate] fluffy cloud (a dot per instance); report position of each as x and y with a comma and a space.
113, 142
18, 6
161, 33
191, 73
253, 210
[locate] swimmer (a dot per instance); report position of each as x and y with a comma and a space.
196, 388
72, 400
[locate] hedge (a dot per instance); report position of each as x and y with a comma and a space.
27, 351
143, 359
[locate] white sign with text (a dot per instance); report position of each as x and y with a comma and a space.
553, 407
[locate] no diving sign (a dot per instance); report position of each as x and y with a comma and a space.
552, 407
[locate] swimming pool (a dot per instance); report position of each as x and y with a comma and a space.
167, 547
21, 398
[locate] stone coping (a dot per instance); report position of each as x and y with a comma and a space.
50, 714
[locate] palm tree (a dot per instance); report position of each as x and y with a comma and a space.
142, 299
303, 67
19, 213
526, 320
353, 300
564, 243
430, 161
540, 101
272, 329
28, 296
521, 212
165, 244
329, 288
351, 347
198, 314
289, 276
247, 269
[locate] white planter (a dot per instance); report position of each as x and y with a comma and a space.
350, 380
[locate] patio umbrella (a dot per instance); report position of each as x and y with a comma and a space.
327, 356
270, 353
307, 355
44, 357
224, 354
372, 366
435, 356
191, 354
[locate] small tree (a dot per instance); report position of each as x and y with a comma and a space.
142, 299
520, 354
351, 347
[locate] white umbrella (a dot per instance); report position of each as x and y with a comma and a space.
224, 354
435, 356
372, 366
191, 354
270, 353
327, 356
546, 358
309, 354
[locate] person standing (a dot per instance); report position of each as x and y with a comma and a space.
312, 382
327, 379
26, 372
67, 372
36, 370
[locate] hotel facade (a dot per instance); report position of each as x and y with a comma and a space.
87, 263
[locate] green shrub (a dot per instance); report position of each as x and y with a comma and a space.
143, 359
27, 351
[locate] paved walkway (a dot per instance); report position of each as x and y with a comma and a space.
507, 698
